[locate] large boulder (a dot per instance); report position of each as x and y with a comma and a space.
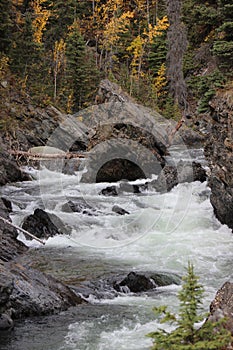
29, 292
219, 153
135, 283
44, 225
171, 175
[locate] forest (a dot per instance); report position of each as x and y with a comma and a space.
169, 55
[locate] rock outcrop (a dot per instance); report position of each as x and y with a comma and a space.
171, 175
25, 291
219, 153
9, 170
222, 306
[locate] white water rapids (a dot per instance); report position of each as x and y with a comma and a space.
162, 233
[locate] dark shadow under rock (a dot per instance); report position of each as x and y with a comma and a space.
44, 225
118, 169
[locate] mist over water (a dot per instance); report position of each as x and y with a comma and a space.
161, 234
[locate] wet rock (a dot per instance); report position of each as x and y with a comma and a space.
10, 247
126, 187
135, 283
79, 206
219, 153
222, 306
164, 279
32, 292
119, 210
109, 191
171, 176
44, 225
221, 199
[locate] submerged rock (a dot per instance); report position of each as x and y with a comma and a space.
109, 191
119, 210
44, 225
78, 206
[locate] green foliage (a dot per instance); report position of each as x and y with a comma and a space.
99, 46
204, 88
81, 74
186, 335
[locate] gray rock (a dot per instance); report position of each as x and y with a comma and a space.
135, 283
222, 306
78, 206
171, 176
219, 153
109, 191
44, 225
119, 210
6, 322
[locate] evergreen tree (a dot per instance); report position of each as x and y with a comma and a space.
6, 25
186, 335
81, 74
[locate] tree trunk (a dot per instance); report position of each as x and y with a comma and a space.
177, 44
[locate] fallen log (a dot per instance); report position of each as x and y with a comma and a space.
21, 229
38, 156
174, 131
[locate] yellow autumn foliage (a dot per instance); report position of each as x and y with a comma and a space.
160, 81
41, 17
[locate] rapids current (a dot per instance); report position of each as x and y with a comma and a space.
161, 234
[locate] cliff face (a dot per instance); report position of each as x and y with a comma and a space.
219, 153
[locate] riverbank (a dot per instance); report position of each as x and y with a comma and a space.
30, 282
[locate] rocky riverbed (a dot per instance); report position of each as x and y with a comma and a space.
25, 291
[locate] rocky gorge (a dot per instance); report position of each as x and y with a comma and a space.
25, 291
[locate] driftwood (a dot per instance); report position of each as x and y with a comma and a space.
174, 131
21, 229
38, 156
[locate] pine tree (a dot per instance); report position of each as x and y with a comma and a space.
6, 25
81, 74
186, 335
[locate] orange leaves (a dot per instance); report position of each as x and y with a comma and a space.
41, 17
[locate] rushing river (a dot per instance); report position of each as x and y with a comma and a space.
162, 233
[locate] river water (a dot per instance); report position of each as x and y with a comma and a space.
161, 234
